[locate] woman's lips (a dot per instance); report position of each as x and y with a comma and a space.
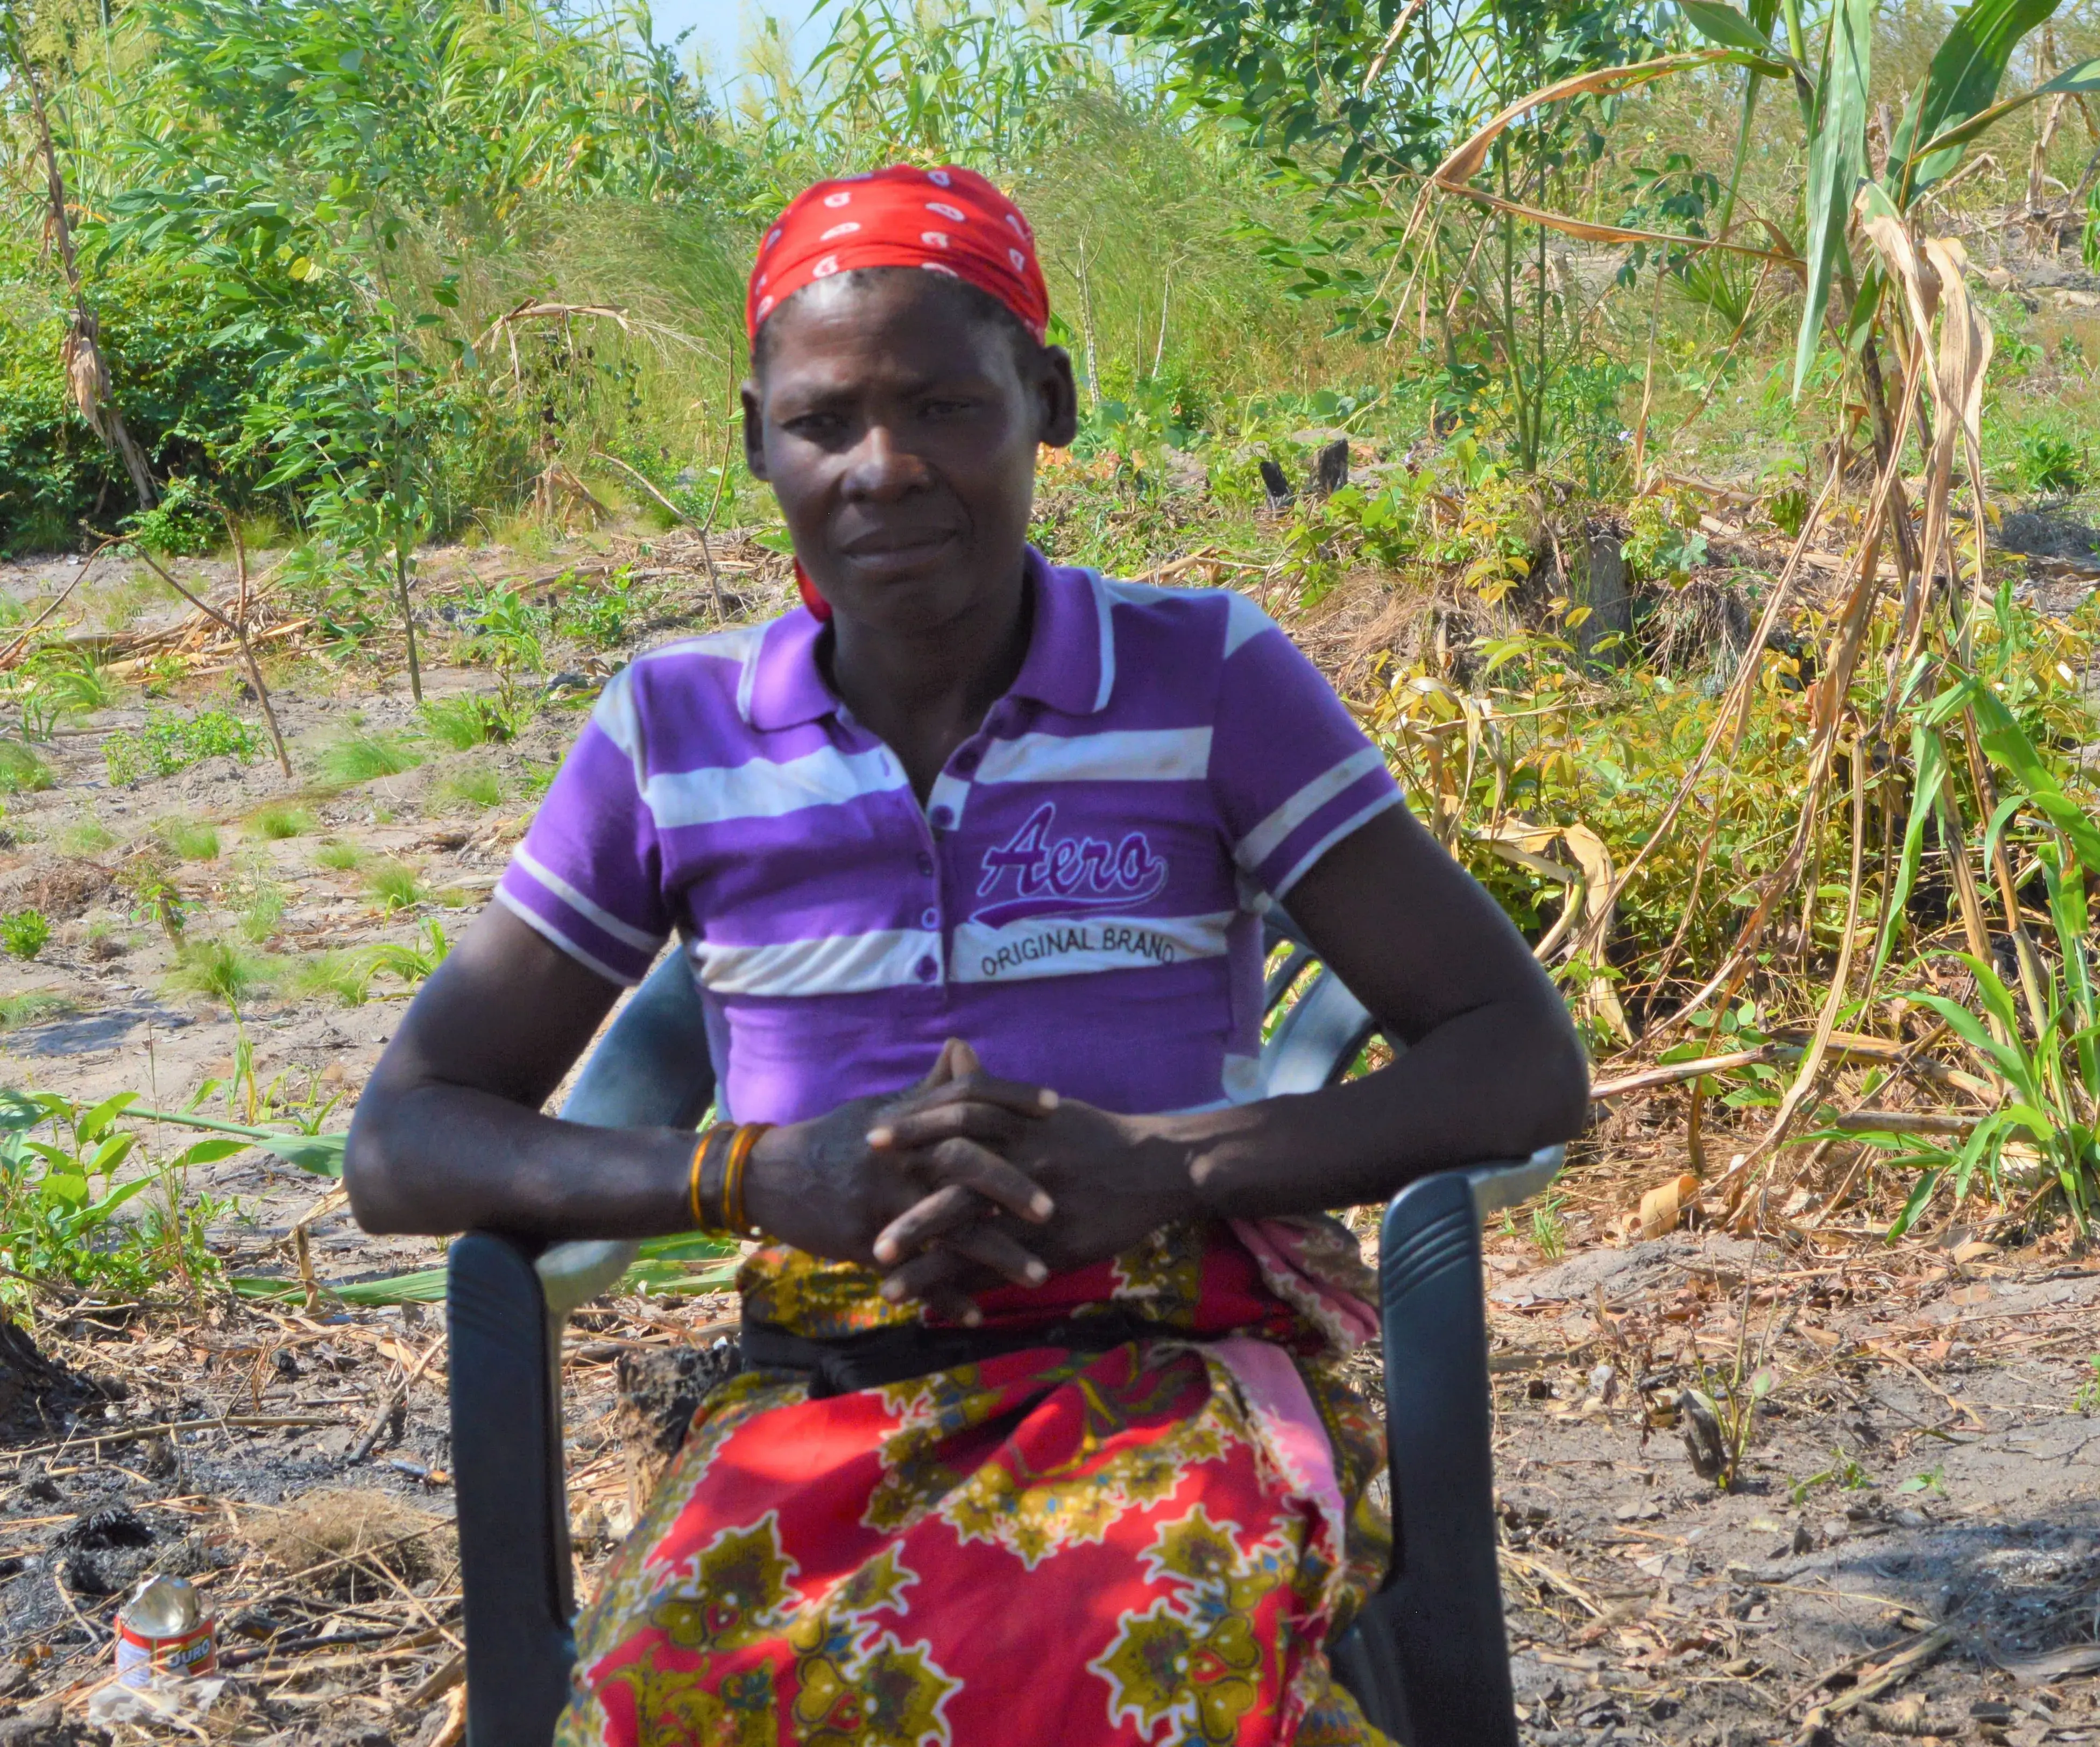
892, 552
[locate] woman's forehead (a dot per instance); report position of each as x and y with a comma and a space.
891, 319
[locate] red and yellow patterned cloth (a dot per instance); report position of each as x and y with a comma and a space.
1147, 1545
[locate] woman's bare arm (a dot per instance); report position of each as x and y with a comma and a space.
1493, 1069
449, 1134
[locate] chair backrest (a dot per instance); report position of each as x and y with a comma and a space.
1319, 1037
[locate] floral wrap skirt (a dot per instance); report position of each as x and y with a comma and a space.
1148, 1544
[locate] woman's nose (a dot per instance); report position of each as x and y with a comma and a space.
883, 467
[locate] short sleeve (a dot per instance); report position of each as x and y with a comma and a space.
588, 875
1292, 772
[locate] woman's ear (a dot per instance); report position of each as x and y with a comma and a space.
1059, 393
754, 430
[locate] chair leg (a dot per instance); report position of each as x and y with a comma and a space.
1438, 1626
510, 1494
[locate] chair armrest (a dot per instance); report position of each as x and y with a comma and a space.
572, 1274
1505, 1182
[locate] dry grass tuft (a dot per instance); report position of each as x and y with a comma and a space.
351, 1538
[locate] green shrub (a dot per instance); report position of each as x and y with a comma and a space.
77, 683
264, 911
2049, 463
169, 743
470, 785
343, 858
220, 971
183, 524
281, 819
21, 771
31, 1006
362, 757
340, 976
395, 884
25, 934
191, 840
87, 836
464, 723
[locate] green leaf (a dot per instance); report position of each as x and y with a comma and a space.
20, 1110
1929, 760
68, 1189
1958, 86
92, 1125
320, 1154
425, 1286
1726, 28
111, 1154
1919, 1199
1837, 160
2086, 77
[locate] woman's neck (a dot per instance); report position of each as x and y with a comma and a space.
923, 693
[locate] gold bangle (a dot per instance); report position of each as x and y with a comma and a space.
696, 1186
739, 1156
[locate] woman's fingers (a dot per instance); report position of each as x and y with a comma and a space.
978, 1099
961, 1261
971, 1165
994, 1125
957, 1061
946, 1210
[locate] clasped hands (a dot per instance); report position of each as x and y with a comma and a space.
966, 1182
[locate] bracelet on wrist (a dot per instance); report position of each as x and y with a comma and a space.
704, 1184
734, 1216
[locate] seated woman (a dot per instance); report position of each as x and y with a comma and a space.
1041, 1437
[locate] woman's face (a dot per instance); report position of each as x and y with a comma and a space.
897, 423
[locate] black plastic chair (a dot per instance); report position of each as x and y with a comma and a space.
1427, 1659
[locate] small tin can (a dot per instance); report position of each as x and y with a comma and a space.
163, 1630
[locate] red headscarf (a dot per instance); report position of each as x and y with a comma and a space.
948, 220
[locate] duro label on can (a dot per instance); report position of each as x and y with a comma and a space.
183, 1655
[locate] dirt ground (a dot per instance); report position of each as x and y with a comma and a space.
1911, 1549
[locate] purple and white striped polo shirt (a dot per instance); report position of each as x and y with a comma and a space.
1079, 897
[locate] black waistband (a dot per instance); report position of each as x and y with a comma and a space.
839, 1365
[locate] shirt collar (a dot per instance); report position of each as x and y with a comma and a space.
1070, 663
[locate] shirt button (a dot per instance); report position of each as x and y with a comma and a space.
926, 969
941, 817
966, 760
925, 866
929, 919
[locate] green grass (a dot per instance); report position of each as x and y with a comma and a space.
22, 772
337, 976
395, 884
363, 757
31, 1006
465, 722
472, 785
87, 836
192, 840
281, 819
221, 971
264, 913
25, 934
80, 685
340, 857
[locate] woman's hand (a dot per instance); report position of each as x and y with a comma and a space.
1113, 1179
830, 1186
